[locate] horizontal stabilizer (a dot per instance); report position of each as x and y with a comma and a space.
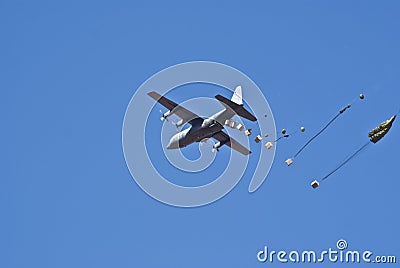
237, 108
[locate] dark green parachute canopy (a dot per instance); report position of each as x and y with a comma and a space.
374, 135
380, 131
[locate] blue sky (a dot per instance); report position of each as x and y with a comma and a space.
69, 70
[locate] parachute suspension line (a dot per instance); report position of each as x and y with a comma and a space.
286, 136
355, 99
361, 96
316, 135
346, 161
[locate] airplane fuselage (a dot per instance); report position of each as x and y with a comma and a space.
204, 128
201, 129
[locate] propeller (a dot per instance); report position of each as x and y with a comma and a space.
216, 147
163, 116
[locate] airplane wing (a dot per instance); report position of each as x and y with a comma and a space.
226, 139
175, 108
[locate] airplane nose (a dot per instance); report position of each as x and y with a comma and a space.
169, 145
173, 144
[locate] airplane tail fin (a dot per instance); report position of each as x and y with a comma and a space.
237, 96
236, 104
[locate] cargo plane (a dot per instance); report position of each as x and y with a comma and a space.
204, 128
